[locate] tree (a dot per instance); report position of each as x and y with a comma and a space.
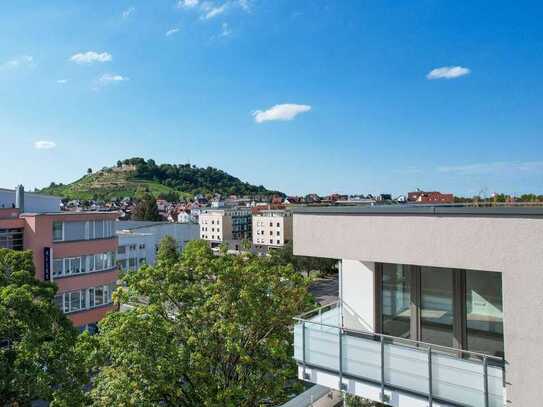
167, 251
38, 357
215, 331
146, 209
89, 170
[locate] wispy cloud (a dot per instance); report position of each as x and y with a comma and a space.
44, 145
62, 81
128, 12
500, 167
447, 72
17, 62
111, 78
187, 3
172, 32
211, 11
245, 4
225, 30
287, 111
90, 57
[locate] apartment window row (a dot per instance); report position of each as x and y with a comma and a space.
82, 230
71, 266
132, 263
85, 299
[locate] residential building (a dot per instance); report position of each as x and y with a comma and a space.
230, 226
431, 197
439, 306
272, 229
139, 240
75, 250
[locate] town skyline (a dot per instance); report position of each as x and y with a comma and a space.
431, 96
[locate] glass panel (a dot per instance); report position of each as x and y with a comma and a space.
436, 317
396, 300
98, 296
75, 301
57, 231
57, 267
484, 310
74, 230
91, 297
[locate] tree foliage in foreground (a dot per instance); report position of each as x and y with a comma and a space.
38, 357
147, 209
215, 332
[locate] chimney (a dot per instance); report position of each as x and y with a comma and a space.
20, 198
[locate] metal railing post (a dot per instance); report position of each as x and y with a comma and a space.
340, 365
382, 368
485, 369
430, 395
303, 350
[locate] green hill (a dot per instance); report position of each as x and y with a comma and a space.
137, 175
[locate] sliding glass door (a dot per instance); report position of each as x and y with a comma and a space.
442, 306
436, 314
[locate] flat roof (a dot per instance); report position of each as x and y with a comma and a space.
80, 213
428, 210
32, 193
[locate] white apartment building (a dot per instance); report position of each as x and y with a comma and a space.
272, 228
139, 240
439, 306
226, 225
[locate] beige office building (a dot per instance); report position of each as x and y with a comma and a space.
225, 225
272, 229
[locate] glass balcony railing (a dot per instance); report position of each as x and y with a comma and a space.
334, 339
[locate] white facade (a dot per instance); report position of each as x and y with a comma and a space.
272, 228
139, 240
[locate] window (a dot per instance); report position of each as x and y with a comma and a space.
278, 242
278, 224
98, 296
91, 297
142, 246
58, 231
75, 300
278, 233
121, 250
395, 300
484, 308
58, 267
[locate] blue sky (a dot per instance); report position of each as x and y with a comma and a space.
301, 96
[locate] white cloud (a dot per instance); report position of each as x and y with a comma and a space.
17, 62
110, 78
62, 81
244, 4
211, 11
447, 72
225, 30
90, 57
500, 167
44, 145
172, 31
187, 3
287, 111
129, 11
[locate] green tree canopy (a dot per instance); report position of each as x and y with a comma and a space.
38, 358
167, 251
146, 209
215, 332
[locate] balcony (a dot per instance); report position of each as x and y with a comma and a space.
333, 339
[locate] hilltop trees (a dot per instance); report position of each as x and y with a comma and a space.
38, 357
214, 331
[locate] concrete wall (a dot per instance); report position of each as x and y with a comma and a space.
512, 245
357, 291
